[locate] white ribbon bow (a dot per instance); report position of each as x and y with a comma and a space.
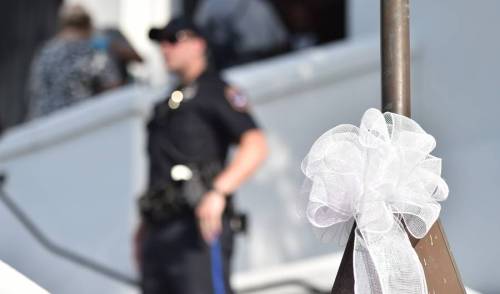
380, 174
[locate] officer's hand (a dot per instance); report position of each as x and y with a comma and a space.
209, 213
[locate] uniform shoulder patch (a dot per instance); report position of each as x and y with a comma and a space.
237, 99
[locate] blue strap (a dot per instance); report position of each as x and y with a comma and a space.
217, 268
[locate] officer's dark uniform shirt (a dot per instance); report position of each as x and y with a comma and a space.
196, 124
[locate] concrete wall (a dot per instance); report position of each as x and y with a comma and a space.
76, 175
297, 98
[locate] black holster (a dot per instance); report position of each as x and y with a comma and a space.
159, 204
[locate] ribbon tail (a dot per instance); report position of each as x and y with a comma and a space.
366, 279
387, 263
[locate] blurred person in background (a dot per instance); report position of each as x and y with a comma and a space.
312, 22
301, 24
68, 69
241, 30
185, 240
119, 49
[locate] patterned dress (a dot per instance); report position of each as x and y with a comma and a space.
66, 72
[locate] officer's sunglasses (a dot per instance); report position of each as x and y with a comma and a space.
179, 36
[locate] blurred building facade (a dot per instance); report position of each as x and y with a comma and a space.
306, 24
25, 25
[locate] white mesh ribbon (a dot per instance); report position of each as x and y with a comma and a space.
381, 174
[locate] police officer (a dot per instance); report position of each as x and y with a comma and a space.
185, 241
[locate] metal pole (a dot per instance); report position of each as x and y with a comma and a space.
395, 54
440, 269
